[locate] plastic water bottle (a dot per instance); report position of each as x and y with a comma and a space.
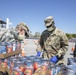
70, 70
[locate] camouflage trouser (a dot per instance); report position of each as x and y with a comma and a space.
47, 55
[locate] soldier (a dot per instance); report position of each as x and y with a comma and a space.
74, 51
53, 42
18, 34
23, 31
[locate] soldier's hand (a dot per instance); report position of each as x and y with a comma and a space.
38, 53
54, 59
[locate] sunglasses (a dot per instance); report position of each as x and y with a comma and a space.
48, 26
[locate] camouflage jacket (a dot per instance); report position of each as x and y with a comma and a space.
8, 35
55, 43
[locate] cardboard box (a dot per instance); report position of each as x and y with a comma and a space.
5, 69
42, 73
10, 54
60, 73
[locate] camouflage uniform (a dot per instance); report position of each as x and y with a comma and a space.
53, 43
10, 35
5, 35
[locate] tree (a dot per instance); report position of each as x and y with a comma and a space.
69, 36
37, 34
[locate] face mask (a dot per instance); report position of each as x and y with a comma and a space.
50, 28
21, 37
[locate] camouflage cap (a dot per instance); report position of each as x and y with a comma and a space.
48, 21
23, 26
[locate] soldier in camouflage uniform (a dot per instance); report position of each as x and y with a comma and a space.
18, 34
53, 42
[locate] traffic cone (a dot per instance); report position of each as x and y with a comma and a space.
72, 48
23, 49
23, 53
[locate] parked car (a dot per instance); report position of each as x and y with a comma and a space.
72, 40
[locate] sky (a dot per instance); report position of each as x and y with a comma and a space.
33, 13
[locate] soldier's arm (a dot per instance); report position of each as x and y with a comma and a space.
15, 34
64, 45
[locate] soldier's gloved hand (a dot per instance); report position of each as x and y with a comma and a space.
54, 59
38, 53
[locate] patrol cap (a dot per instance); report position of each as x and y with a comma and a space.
48, 21
23, 26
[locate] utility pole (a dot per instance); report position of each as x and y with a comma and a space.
8, 23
